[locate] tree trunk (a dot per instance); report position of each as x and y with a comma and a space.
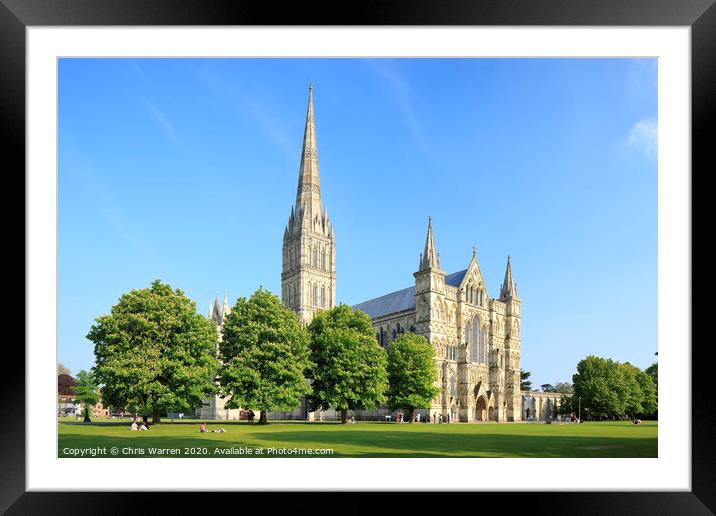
263, 418
156, 418
344, 416
86, 414
412, 415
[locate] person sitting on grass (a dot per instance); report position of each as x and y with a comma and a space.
202, 428
219, 431
143, 427
134, 428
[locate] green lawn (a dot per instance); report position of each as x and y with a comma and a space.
592, 439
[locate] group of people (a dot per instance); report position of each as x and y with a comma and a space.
441, 418
202, 429
138, 427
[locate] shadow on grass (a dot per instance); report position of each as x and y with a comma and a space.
384, 443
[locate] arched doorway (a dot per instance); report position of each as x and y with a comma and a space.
480, 409
491, 413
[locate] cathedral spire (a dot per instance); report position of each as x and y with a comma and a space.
308, 194
226, 309
509, 289
217, 313
430, 258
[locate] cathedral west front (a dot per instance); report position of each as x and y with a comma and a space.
476, 337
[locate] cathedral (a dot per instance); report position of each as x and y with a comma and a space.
476, 337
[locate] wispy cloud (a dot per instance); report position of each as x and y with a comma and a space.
166, 126
644, 136
140, 73
402, 91
261, 112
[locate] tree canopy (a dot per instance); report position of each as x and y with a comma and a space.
265, 355
154, 352
525, 383
611, 389
85, 391
61, 369
65, 385
411, 373
348, 368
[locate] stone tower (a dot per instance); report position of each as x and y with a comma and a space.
513, 395
308, 277
429, 287
215, 407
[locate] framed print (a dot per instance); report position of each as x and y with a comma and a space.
536, 162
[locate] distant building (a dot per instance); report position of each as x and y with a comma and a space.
66, 405
540, 406
215, 407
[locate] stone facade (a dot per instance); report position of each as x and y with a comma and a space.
215, 407
308, 276
541, 406
476, 338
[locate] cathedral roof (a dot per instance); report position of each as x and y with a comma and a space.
389, 303
401, 299
455, 278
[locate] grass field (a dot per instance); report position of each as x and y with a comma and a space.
592, 439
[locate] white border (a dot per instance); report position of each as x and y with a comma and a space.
670, 471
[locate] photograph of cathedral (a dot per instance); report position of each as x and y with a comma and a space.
476, 337
434, 199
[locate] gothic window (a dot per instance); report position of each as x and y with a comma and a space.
315, 295
471, 343
315, 257
323, 259
323, 297
475, 344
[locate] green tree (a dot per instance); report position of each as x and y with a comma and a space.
154, 352
629, 389
265, 355
653, 372
567, 405
411, 373
348, 368
525, 383
649, 397
547, 387
563, 388
598, 383
61, 369
86, 392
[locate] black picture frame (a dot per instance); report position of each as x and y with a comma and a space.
699, 15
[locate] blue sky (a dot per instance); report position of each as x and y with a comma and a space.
186, 170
